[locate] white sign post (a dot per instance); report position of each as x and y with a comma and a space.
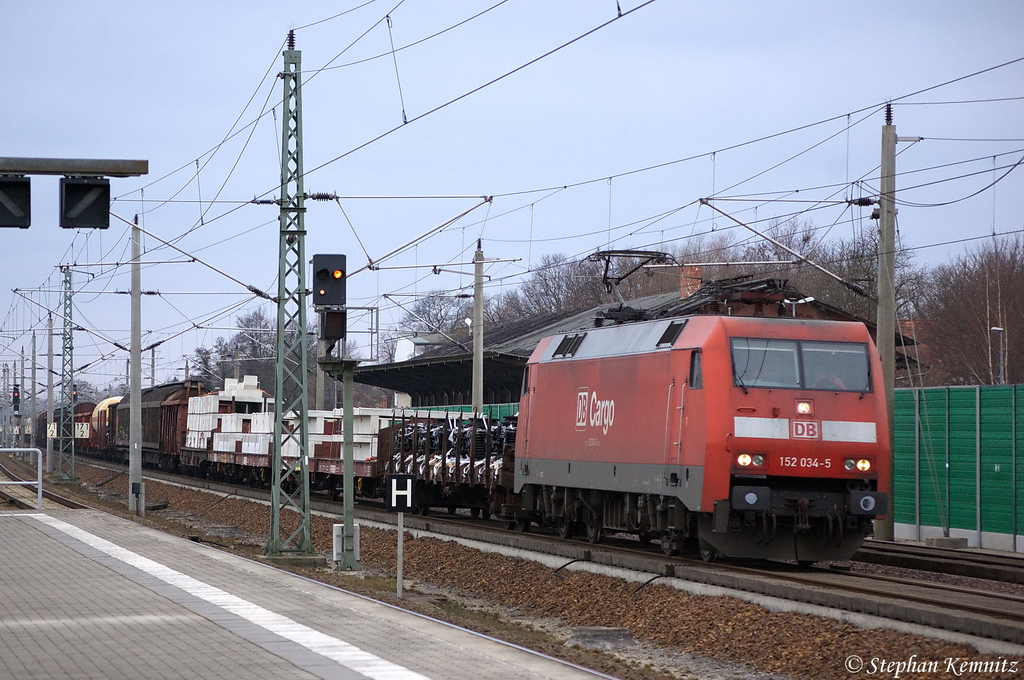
399, 497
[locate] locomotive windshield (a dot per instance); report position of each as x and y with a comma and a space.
800, 364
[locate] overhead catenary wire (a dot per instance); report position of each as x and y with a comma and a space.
691, 157
414, 43
473, 91
249, 287
398, 77
531, 204
371, 263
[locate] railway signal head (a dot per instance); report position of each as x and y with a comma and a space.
329, 280
16, 400
15, 201
84, 203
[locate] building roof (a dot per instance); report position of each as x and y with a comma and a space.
444, 374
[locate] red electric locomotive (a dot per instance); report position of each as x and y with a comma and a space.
747, 436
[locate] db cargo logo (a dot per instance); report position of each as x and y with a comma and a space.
592, 411
806, 429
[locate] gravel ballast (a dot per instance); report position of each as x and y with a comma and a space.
679, 635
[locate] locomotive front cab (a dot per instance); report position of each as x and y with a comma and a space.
803, 470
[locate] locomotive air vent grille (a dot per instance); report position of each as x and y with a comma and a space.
568, 346
671, 333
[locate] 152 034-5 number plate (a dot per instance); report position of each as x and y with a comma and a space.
794, 461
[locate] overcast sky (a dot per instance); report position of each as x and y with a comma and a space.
610, 139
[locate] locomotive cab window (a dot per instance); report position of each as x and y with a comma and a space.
696, 377
795, 364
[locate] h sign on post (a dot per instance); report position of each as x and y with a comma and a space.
399, 492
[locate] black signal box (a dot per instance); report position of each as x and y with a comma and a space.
329, 276
15, 201
84, 203
333, 324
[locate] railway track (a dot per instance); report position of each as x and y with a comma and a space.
987, 614
25, 497
1008, 568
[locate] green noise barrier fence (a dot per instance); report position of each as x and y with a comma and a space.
959, 464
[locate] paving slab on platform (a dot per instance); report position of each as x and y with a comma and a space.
89, 595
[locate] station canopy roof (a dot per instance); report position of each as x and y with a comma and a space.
444, 374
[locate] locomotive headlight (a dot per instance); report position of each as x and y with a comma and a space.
863, 464
748, 459
804, 407
850, 464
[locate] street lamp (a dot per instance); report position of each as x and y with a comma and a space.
1002, 359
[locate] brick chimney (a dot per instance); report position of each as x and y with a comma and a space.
689, 280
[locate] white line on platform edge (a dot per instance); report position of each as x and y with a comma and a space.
332, 648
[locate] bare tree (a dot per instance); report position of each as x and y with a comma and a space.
439, 312
251, 350
557, 284
963, 302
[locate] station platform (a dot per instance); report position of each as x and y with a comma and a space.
84, 594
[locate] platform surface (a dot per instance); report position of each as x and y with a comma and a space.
87, 595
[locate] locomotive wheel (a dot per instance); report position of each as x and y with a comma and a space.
474, 513
644, 537
452, 509
671, 543
523, 526
566, 527
595, 532
708, 553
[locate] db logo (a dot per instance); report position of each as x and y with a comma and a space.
582, 398
806, 429
593, 412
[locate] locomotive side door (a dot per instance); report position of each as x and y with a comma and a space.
682, 447
675, 417
673, 430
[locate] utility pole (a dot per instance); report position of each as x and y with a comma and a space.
5, 425
320, 376
50, 462
886, 315
348, 557
32, 396
137, 490
478, 331
21, 441
66, 429
290, 480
